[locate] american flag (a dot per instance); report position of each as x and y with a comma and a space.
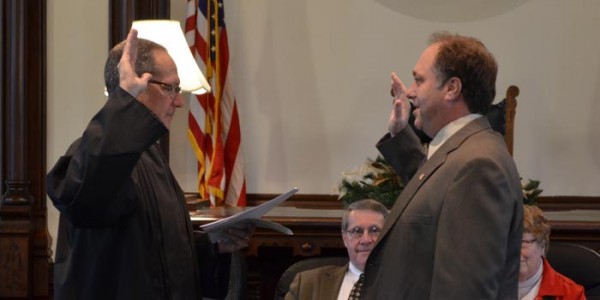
213, 122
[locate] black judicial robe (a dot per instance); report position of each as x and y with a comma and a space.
124, 228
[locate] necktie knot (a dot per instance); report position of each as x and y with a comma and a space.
356, 289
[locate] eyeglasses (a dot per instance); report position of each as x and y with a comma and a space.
357, 232
527, 243
171, 89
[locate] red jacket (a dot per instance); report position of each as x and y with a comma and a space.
558, 286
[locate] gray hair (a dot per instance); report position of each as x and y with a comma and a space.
365, 204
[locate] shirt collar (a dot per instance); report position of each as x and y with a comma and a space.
354, 270
449, 130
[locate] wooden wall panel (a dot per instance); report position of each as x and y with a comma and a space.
14, 278
123, 12
24, 249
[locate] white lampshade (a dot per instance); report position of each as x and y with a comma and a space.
168, 34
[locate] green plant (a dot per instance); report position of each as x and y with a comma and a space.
374, 180
531, 191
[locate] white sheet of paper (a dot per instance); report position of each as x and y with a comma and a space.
215, 229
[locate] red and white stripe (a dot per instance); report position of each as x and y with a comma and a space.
213, 122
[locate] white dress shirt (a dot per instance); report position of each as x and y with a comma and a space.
349, 279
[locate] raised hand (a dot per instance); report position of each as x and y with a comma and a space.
401, 109
128, 78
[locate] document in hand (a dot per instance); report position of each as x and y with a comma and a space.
215, 230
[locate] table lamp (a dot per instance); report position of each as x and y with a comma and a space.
168, 34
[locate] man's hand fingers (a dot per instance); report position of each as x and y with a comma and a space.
401, 110
398, 88
129, 51
128, 78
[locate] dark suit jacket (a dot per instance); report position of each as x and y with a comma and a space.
321, 283
455, 231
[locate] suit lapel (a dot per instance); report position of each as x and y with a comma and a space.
428, 168
331, 281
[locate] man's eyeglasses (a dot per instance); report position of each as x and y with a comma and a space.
357, 232
171, 89
527, 243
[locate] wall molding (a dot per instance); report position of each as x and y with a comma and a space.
568, 202
329, 201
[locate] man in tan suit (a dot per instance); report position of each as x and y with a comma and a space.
361, 224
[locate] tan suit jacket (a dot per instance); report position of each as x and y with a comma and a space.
321, 283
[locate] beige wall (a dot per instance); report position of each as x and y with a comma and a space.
77, 47
312, 82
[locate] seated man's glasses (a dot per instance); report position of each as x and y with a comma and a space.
357, 232
171, 89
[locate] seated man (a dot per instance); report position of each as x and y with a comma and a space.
537, 279
361, 225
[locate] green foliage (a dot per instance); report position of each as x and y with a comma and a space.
376, 180
531, 191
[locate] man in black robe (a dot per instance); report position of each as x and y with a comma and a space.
124, 229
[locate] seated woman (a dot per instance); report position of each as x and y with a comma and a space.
537, 279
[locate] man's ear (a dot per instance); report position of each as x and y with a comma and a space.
453, 88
